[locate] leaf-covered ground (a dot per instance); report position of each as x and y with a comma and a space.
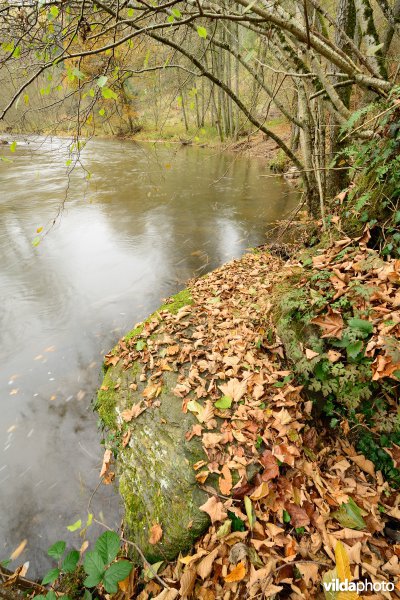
285, 491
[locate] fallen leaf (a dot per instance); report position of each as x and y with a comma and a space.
215, 509
205, 566
156, 533
18, 550
106, 462
133, 413
331, 323
298, 516
237, 574
234, 389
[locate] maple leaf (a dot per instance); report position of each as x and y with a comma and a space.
215, 509
111, 359
156, 533
332, 324
234, 388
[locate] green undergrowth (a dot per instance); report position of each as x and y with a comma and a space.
339, 377
373, 198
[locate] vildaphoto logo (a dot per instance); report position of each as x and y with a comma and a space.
358, 586
338, 582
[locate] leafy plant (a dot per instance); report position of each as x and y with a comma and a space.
99, 565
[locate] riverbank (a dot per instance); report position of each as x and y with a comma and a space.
288, 493
252, 144
250, 353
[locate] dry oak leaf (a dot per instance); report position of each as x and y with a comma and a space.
331, 324
234, 388
215, 509
237, 574
156, 533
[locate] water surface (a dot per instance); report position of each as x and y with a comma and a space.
149, 218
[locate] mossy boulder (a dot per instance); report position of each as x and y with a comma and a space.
155, 467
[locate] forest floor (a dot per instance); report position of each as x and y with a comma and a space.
314, 508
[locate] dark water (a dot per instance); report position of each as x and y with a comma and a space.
148, 219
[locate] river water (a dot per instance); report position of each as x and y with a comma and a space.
149, 218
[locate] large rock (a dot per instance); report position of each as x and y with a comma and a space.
155, 469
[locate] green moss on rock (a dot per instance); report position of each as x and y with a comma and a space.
156, 476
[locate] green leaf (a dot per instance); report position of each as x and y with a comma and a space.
202, 31
196, 408
52, 596
94, 568
224, 529
329, 578
108, 545
89, 519
170, 18
108, 93
354, 349
140, 345
349, 515
102, 112
87, 595
75, 526
51, 576
54, 12
116, 572
70, 561
13, 146
286, 517
224, 402
40, 597
176, 12
365, 327
131, 12
57, 549
151, 570
102, 80
237, 523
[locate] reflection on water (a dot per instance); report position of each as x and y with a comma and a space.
148, 219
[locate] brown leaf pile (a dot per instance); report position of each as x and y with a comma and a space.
273, 532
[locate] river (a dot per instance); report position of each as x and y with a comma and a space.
148, 218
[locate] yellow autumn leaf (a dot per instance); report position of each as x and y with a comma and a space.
342, 562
